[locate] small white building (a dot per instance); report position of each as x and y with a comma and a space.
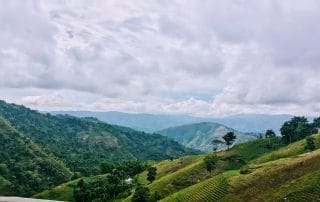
129, 180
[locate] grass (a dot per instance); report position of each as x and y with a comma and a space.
305, 188
269, 176
213, 189
63, 192
287, 151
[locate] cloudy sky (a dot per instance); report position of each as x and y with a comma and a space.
208, 58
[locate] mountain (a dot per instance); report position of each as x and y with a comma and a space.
200, 135
81, 143
257, 123
25, 168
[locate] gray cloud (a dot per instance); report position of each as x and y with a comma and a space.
208, 58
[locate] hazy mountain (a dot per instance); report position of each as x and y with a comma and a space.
153, 122
200, 135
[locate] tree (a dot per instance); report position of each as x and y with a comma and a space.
270, 134
216, 144
142, 194
316, 122
229, 138
310, 143
210, 161
296, 129
152, 172
106, 167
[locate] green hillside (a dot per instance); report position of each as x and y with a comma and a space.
268, 173
25, 168
200, 135
81, 143
247, 172
290, 173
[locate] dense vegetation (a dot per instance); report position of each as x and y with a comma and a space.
25, 168
83, 143
110, 186
39, 150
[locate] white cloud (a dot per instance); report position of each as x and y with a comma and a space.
208, 58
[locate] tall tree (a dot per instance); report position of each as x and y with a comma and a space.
296, 129
229, 138
316, 123
270, 133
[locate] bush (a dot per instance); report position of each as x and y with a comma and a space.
310, 143
142, 194
210, 161
245, 170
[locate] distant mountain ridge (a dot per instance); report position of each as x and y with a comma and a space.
257, 123
200, 135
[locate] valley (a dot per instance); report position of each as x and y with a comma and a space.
64, 158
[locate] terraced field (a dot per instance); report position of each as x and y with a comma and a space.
306, 188
213, 189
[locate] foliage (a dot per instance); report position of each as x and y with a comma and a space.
270, 134
100, 189
82, 143
210, 161
152, 172
229, 138
110, 186
310, 145
296, 129
106, 167
25, 168
245, 170
142, 194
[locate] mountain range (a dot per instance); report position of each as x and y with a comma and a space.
257, 123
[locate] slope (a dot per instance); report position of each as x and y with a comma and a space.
200, 135
25, 168
182, 173
82, 143
289, 173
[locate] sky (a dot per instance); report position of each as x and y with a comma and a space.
204, 58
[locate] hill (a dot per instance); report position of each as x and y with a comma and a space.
251, 171
257, 123
81, 143
200, 135
25, 168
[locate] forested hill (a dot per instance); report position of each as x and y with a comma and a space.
81, 143
24, 168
